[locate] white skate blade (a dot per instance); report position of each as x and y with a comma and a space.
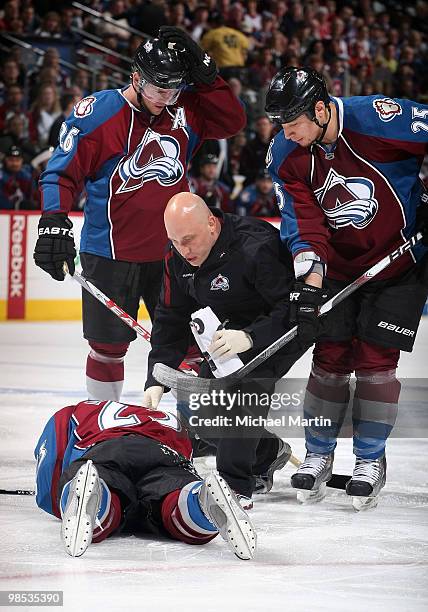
77, 527
308, 496
360, 503
238, 531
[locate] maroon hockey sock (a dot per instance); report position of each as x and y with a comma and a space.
178, 523
110, 521
105, 370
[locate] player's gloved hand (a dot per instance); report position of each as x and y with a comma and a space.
55, 245
202, 68
227, 343
152, 396
305, 302
422, 218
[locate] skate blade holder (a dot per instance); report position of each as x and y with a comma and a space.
312, 496
360, 503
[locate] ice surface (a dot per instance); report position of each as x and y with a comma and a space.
323, 557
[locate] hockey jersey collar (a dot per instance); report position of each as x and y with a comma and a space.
339, 109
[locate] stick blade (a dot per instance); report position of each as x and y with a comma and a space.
184, 383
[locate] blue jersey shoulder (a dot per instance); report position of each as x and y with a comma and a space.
94, 110
384, 117
279, 149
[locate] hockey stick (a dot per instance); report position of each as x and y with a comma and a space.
17, 492
108, 302
173, 378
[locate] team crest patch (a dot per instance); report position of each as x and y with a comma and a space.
84, 107
347, 200
386, 108
156, 158
220, 282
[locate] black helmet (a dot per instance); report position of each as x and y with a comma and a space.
294, 91
160, 65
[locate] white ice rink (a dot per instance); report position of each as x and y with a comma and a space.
309, 558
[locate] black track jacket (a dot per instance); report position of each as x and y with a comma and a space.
246, 278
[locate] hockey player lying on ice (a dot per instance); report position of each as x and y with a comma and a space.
105, 467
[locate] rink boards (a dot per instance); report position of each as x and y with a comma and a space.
28, 293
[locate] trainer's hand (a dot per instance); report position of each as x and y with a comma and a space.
229, 342
202, 68
152, 396
55, 245
305, 303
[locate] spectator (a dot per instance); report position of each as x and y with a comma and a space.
10, 14
80, 79
227, 46
16, 182
258, 199
199, 25
117, 13
252, 21
215, 193
254, 153
30, 20
50, 26
9, 77
14, 105
14, 134
45, 109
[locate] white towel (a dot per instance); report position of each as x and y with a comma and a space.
204, 324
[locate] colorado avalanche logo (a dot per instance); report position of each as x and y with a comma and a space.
386, 108
84, 107
347, 201
155, 159
220, 282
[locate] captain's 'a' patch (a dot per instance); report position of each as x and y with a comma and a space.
179, 119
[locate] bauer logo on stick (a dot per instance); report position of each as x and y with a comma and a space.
386, 108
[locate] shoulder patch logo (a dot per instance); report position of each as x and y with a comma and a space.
220, 282
84, 107
387, 109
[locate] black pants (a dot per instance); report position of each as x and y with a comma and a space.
125, 283
141, 471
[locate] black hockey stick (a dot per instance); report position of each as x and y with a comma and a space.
17, 492
173, 378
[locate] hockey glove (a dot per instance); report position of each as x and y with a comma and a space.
55, 245
202, 68
227, 343
305, 302
422, 218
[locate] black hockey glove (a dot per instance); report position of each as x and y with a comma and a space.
55, 245
305, 302
202, 68
422, 218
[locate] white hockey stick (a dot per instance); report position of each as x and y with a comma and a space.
108, 303
174, 379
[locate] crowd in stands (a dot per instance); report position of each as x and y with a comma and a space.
53, 54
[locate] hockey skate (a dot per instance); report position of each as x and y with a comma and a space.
222, 508
312, 476
264, 482
367, 480
80, 509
